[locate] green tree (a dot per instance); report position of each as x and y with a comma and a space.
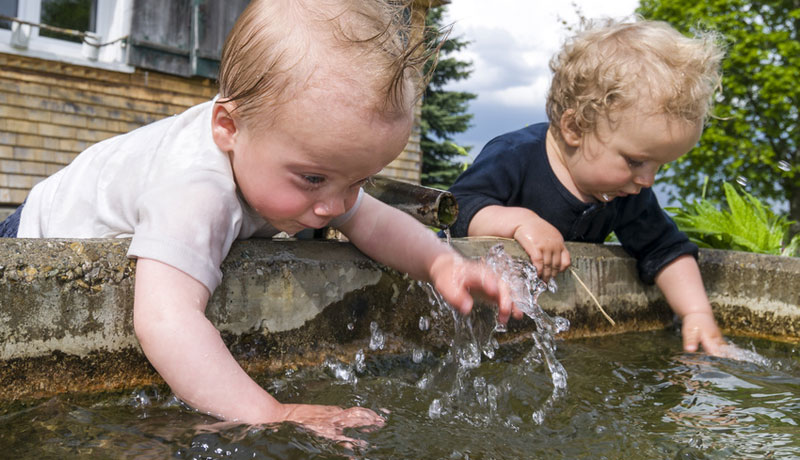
754, 134
444, 113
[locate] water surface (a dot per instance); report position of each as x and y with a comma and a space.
632, 396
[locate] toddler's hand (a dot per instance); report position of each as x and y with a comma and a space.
457, 278
700, 328
545, 246
331, 421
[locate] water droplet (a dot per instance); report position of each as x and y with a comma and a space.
424, 323
562, 324
360, 361
784, 165
350, 326
376, 339
741, 181
435, 409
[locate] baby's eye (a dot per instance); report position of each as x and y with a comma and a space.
313, 180
634, 163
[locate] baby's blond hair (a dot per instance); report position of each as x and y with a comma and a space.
609, 65
276, 45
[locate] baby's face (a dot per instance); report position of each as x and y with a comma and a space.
620, 160
306, 167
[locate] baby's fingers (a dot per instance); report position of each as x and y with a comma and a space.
497, 290
537, 260
691, 339
505, 304
566, 260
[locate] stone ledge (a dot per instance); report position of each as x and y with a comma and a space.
66, 305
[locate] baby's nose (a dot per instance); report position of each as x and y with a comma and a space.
329, 208
645, 180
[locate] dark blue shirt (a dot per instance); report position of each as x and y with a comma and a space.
513, 170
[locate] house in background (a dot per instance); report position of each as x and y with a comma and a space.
75, 72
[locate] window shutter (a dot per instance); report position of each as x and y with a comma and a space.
181, 37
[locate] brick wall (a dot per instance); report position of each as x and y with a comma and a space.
51, 111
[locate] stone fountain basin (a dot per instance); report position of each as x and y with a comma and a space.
66, 306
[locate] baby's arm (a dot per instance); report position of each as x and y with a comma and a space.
543, 242
682, 285
188, 352
396, 239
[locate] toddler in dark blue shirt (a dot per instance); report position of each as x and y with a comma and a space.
626, 98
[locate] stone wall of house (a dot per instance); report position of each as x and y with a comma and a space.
50, 111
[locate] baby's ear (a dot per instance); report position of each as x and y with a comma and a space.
569, 129
223, 126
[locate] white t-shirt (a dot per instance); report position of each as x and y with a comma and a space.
166, 185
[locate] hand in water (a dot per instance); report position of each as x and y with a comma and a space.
325, 421
331, 421
701, 329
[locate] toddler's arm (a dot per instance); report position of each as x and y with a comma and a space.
188, 352
542, 241
396, 239
682, 285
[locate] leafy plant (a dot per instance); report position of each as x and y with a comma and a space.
745, 224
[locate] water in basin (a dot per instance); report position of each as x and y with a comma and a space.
633, 396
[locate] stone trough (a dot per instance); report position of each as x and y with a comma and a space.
66, 306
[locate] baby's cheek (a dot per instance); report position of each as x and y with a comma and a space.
281, 205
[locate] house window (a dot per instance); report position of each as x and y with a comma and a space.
7, 8
102, 28
68, 14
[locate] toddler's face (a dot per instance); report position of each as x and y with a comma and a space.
306, 167
619, 160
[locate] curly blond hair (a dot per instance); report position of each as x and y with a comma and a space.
276, 45
609, 65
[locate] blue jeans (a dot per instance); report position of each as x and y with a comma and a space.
9, 227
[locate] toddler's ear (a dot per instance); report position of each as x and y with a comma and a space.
569, 129
223, 126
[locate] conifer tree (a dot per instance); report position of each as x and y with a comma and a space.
444, 113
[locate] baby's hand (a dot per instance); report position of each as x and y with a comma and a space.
700, 328
457, 278
545, 246
331, 421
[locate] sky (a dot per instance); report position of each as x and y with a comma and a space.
511, 43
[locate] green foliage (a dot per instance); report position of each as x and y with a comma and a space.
745, 225
444, 113
754, 133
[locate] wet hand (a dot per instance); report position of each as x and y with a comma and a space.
700, 328
458, 280
545, 246
331, 421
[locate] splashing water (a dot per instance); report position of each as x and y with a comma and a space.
377, 339
473, 338
424, 323
526, 287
